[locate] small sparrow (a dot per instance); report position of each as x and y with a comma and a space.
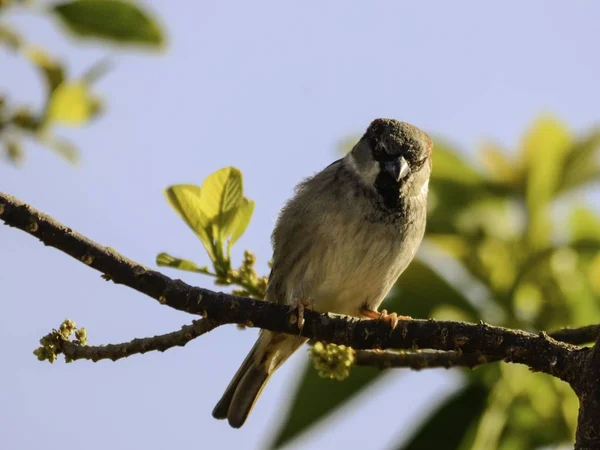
340, 244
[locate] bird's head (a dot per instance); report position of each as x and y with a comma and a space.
393, 158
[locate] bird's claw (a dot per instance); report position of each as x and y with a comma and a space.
299, 306
383, 315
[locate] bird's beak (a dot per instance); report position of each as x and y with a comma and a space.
397, 168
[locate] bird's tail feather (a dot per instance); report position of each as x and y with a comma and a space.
268, 353
222, 407
246, 395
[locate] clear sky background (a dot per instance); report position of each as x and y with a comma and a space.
270, 87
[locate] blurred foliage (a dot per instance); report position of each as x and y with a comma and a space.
528, 256
112, 20
68, 101
447, 424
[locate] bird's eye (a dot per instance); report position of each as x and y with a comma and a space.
418, 164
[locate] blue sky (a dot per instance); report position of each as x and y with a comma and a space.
270, 87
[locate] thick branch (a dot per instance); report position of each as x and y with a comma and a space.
539, 352
588, 391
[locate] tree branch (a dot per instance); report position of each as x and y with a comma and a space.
576, 336
448, 359
375, 358
420, 360
588, 391
540, 352
74, 351
458, 343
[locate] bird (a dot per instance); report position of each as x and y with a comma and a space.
340, 244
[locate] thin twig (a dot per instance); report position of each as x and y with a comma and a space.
576, 336
420, 360
161, 343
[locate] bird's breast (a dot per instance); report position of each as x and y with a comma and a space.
362, 262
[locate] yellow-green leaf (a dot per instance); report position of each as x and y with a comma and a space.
421, 289
113, 20
240, 222
593, 274
582, 165
51, 69
60, 146
166, 260
316, 397
499, 165
584, 224
97, 71
216, 211
454, 244
448, 425
449, 165
14, 151
221, 195
186, 199
10, 37
548, 137
72, 104
544, 149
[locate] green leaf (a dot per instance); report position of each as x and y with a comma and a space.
450, 200
544, 149
240, 222
113, 20
97, 71
546, 137
221, 195
72, 104
493, 419
449, 166
500, 166
420, 290
166, 260
317, 397
448, 427
216, 212
60, 146
454, 187
52, 71
186, 199
10, 37
581, 165
14, 151
525, 405
584, 225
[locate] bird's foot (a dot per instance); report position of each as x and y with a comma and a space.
383, 315
299, 306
